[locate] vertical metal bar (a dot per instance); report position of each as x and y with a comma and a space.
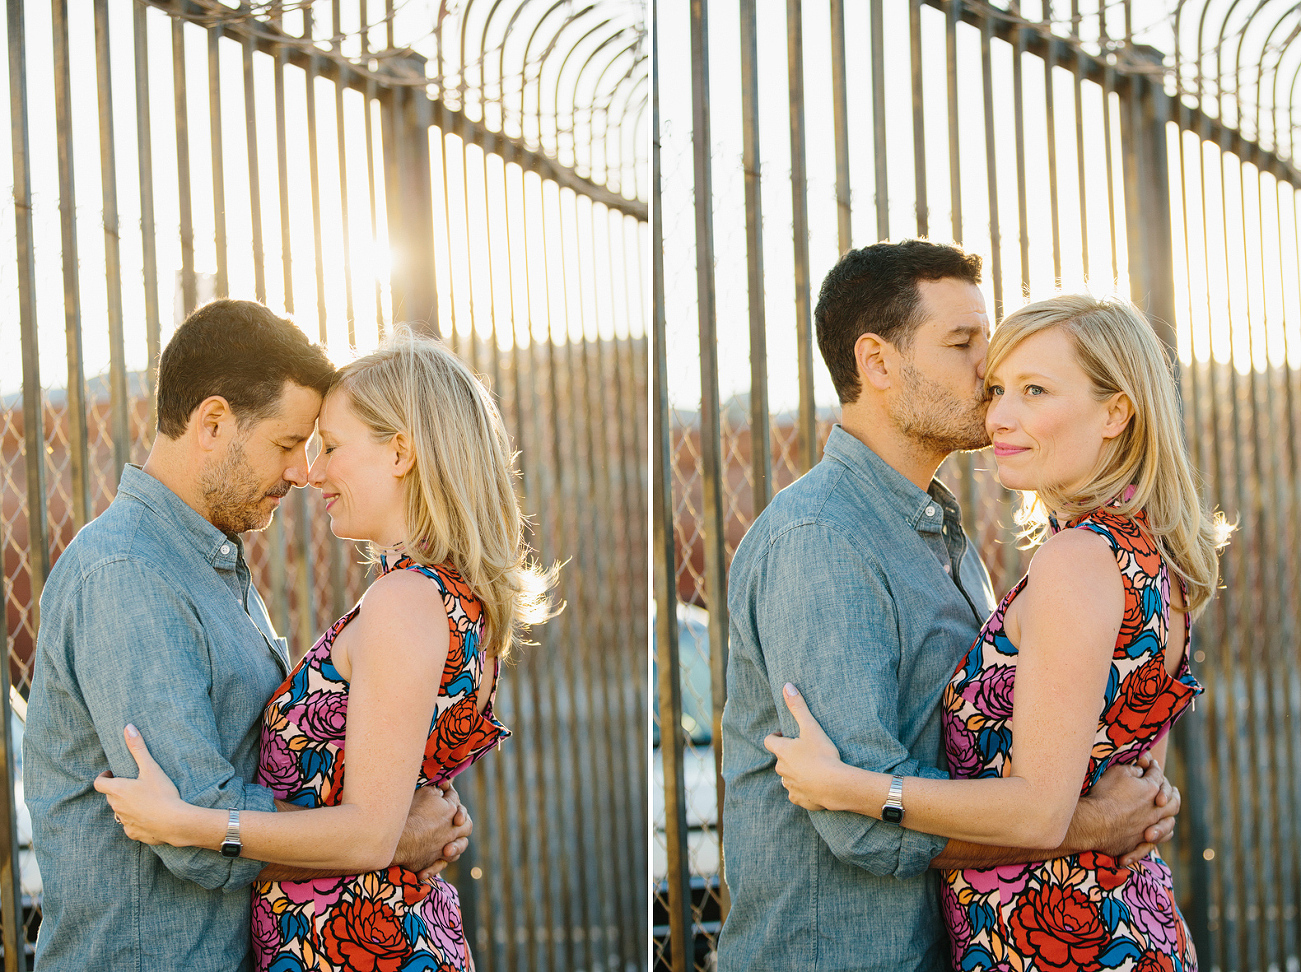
282, 169
550, 545
808, 427
1081, 182
120, 425
878, 123
38, 521
1050, 61
254, 172
951, 79
919, 117
991, 159
314, 178
189, 285
1018, 121
760, 436
1191, 731
78, 447
336, 572
148, 241
222, 288
11, 889
575, 584
840, 120
1108, 86
666, 599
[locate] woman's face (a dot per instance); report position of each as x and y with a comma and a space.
1047, 428
360, 479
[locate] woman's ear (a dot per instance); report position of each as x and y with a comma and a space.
404, 456
1119, 412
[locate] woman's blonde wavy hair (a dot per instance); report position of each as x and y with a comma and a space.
460, 493
1119, 351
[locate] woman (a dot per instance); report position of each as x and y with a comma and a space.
415, 460
1084, 420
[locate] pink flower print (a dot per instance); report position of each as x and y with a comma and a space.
994, 691
321, 715
1151, 909
956, 918
1010, 879
441, 911
266, 930
325, 892
278, 765
960, 748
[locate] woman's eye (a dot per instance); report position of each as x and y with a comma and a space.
993, 391
1034, 390
327, 449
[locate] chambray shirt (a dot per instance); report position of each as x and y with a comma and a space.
864, 592
149, 617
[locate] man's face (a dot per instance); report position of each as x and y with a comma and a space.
243, 487
940, 402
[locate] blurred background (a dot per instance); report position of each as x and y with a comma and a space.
1145, 147
480, 167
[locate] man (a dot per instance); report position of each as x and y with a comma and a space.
858, 585
150, 618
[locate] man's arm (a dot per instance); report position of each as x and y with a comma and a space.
141, 657
843, 654
1128, 812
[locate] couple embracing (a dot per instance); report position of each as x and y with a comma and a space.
187, 783
904, 757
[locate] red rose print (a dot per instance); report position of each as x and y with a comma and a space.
1142, 702
455, 726
1059, 928
365, 935
1110, 875
1154, 962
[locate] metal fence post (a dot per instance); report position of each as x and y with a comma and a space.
409, 191
1144, 114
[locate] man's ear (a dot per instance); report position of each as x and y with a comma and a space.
1119, 412
212, 423
875, 360
404, 456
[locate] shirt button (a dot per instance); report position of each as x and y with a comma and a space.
948, 569
225, 548
930, 511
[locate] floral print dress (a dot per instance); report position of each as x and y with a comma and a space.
1084, 911
383, 921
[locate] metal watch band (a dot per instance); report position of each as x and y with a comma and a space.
231, 846
892, 811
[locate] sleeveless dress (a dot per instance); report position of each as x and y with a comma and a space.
1085, 911
382, 921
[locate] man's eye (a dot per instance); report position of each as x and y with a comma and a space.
964, 344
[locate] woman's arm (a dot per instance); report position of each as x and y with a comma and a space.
397, 653
1069, 616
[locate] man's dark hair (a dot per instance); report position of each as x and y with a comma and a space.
873, 290
240, 350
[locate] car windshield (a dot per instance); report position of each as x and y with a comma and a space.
693, 659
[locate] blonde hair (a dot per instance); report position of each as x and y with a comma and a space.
1120, 353
460, 493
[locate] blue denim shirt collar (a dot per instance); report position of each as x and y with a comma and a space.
222, 550
891, 487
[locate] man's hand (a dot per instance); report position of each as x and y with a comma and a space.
1129, 811
437, 831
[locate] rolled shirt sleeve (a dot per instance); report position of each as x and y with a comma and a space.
843, 653
145, 660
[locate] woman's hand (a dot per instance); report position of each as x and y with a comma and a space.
807, 763
148, 807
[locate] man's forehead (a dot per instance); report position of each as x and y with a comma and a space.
296, 416
951, 302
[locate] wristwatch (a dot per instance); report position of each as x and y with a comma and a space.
231, 846
892, 810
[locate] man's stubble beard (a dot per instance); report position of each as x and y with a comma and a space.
931, 416
233, 495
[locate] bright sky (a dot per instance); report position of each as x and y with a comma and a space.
1224, 292
600, 291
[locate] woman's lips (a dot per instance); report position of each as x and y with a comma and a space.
1008, 450
329, 500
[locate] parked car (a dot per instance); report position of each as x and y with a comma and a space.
703, 852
